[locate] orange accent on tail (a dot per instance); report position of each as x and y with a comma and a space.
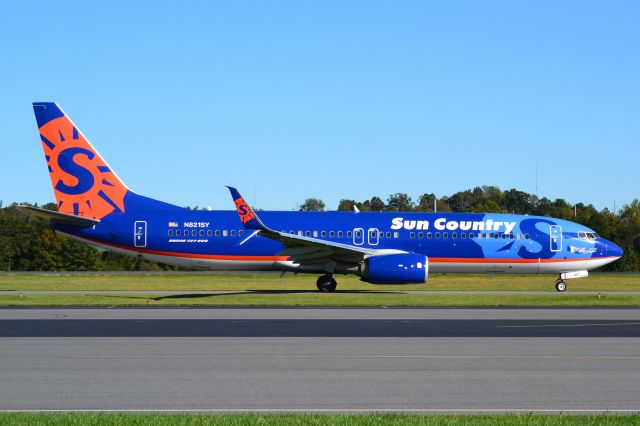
244, 211
83, 183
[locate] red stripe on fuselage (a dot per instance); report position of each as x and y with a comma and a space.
285, 258
192, 255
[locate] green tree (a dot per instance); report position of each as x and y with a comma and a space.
425, 203
399, 202
312, 205
347, 205
376, 205
48, 251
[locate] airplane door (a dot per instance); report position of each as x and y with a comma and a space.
140, 233
358, 236
372, 236
555, 235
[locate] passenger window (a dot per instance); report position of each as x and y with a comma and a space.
241, 232
463, 235
178, 232
518, 236
445, 235
495, 235
358, 234
412, 235
332, 234
454, 235
202, 232
323, 234
233, 232
292, 232
194, 232
300, 233
349, 234
428, 235
315, 234
388, 234
340, 234
504, 236
396, 234
217, 232
307, 233
420, 234
526, 236
170, 231
225, 232
437, 235
472, 235
380, 234
209, 233
511, 236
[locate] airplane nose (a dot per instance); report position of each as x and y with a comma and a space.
613, 249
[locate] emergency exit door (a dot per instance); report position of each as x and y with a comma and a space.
555, 236
140, 233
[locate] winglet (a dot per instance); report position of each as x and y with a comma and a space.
248, 217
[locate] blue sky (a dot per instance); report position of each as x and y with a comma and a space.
289, 100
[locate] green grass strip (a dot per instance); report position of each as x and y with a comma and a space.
320, 299
194, 282
118, 419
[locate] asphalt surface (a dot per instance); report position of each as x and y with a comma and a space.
362, 359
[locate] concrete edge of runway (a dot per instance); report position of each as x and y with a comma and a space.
434, 411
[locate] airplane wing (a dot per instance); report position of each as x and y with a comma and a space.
60, 218
305, 251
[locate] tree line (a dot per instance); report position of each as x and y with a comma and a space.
622, 227
28, 244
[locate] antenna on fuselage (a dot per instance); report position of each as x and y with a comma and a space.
435, 205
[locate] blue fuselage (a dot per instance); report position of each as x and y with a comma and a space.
452, 242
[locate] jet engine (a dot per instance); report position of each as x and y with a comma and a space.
398, 268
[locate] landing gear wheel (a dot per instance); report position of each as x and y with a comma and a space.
326, 284
560, 286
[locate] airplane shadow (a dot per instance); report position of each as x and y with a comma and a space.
265, 292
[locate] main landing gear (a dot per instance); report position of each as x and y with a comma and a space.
560, 285
326, 283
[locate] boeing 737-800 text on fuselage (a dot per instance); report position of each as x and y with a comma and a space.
96, 207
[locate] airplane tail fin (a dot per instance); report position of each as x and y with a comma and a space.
83, 183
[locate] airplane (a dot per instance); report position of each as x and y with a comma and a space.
96, 207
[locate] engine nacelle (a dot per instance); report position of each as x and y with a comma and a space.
401, 268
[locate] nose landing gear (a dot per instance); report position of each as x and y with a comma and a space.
560, 285
326, 283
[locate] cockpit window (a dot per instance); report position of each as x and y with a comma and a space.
587, 235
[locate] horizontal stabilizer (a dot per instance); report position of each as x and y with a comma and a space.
60, 218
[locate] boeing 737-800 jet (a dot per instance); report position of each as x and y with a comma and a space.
95, 206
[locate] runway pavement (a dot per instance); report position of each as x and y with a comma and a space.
320, 359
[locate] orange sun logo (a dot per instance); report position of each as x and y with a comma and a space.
245, 212
83, 183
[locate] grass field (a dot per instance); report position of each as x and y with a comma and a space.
19, 419
320, 299
191, 282
291, 290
